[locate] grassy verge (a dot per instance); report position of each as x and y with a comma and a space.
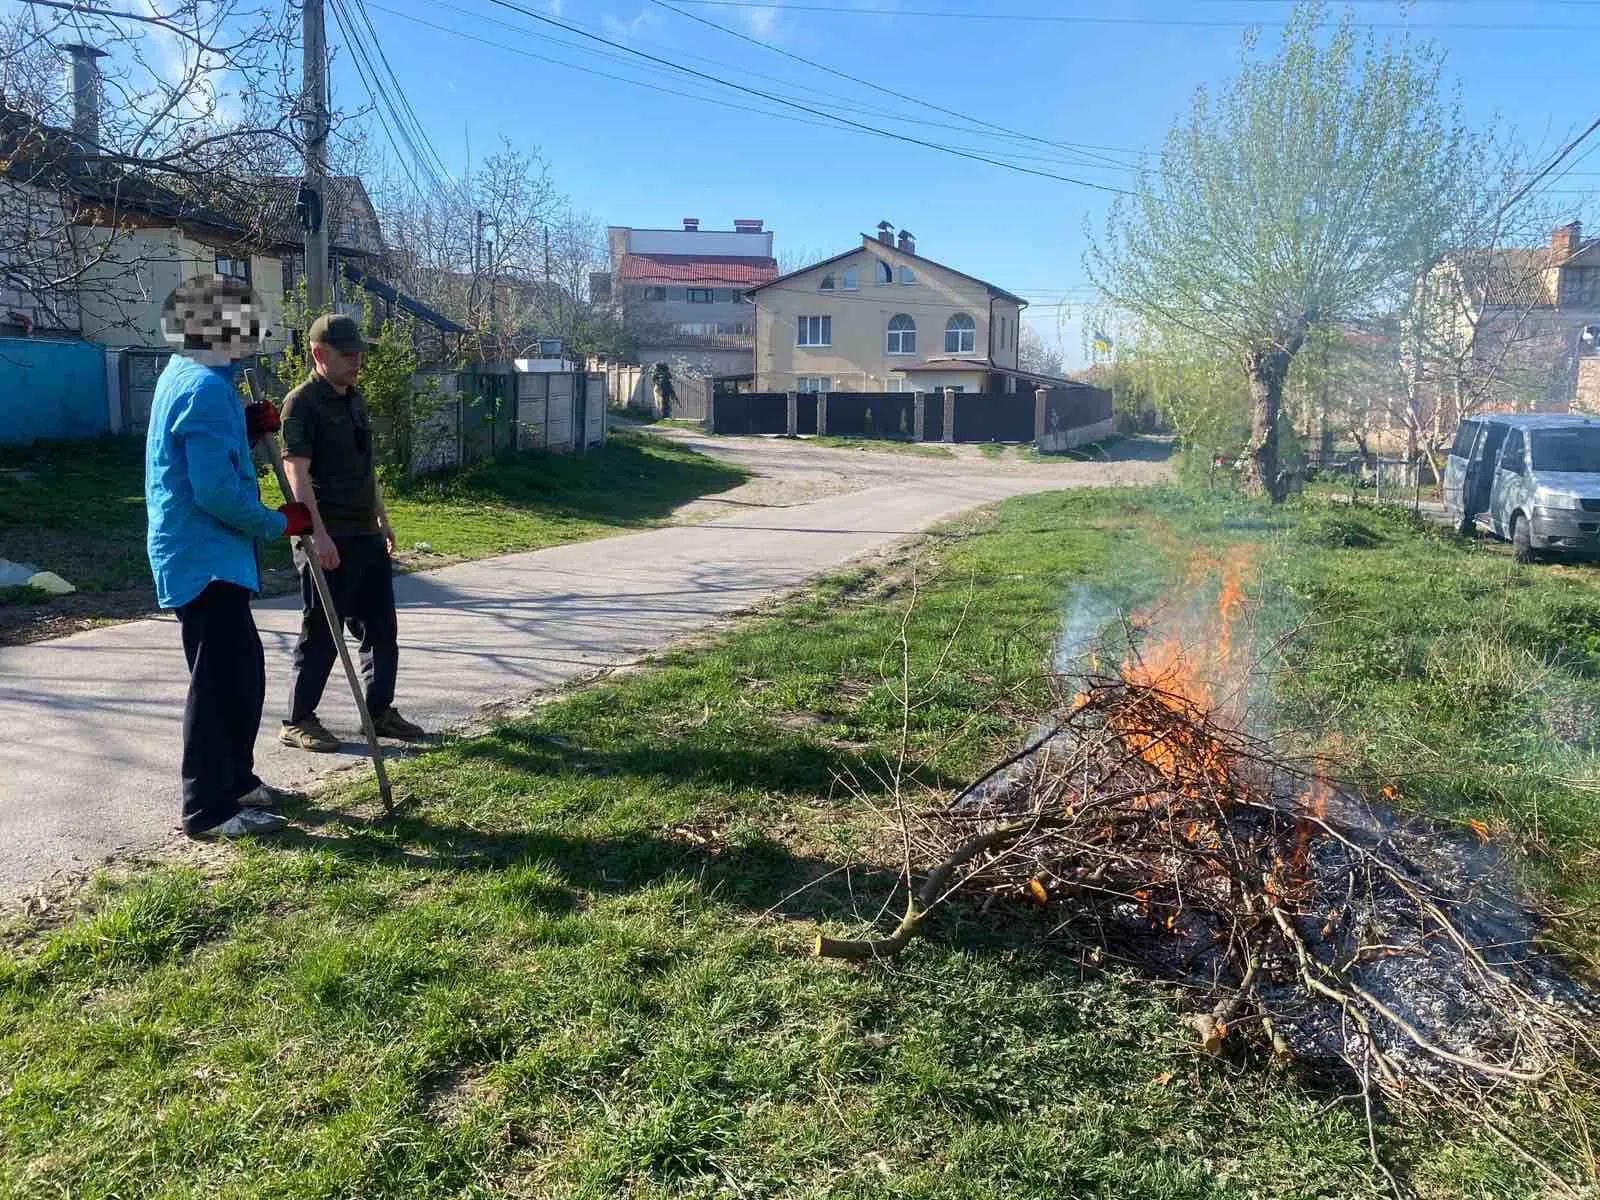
881, 446
579, 969
77, 508
992, 450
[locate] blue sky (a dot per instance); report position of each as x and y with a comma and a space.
635, 153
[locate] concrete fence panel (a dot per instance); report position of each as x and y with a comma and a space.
51, 389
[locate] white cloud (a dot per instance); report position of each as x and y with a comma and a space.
626, 31
761, 22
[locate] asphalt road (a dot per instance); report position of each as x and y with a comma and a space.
90, 724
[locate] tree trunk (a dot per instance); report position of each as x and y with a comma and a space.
1266, 370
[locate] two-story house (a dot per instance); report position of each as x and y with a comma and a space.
883, 318
681, 293
1516, 327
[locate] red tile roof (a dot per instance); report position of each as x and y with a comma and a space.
725, 269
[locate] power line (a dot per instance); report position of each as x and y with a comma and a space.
1075, 158
870, 84
442, 172
1081, 19
784, 101
652, 87
1550, 166
375, 96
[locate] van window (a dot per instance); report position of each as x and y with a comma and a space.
1511, 459
1465, 436
1576, 449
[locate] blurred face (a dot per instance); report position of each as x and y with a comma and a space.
338, 367
212, 320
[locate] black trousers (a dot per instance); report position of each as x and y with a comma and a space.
227, 684
363, 593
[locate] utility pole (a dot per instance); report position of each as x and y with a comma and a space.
314, 71
547, 304
477, 254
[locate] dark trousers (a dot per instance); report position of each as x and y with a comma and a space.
363, 593
227, 683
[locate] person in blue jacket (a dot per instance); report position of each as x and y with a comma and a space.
205, 517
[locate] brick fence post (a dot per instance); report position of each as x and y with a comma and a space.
949, 414
794, 414
822, 413
1041, 408
711, 408
919, 416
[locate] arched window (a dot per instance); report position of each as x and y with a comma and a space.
885, 272
960, 335
902, 335
827, 283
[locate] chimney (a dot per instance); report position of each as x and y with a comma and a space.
750, 226
83, 83
907, 242
691, 224
1564, 242
886, 233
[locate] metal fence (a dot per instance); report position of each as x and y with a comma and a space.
1002, 417
872, 414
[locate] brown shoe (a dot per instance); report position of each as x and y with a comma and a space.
390, 724
309, 734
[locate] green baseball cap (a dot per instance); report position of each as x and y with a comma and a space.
339, 331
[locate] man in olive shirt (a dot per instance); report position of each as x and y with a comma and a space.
332, 470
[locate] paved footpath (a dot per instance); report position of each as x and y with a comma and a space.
90, 724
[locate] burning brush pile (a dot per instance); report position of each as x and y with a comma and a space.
1303, 923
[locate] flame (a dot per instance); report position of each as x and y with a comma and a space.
1183, 679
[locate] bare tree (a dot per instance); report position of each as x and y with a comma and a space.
182, 109
1034, 355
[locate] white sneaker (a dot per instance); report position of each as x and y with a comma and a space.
245, 823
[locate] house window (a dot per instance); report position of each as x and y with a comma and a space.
906, 276
827, 283
233, 268
1583, 287
901, 385
700, 295
960, 335
885, 272
813, 383
815, 331
655, 293
852, 279
902, 335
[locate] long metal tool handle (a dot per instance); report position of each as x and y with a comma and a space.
335, 625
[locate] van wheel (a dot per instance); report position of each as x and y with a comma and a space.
1522, 539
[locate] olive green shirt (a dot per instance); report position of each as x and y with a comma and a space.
334, 432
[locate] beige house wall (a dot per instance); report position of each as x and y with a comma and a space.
121, 297
858, 359
1587, 395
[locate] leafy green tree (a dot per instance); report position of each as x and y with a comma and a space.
1313, 189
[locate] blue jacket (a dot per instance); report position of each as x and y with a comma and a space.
200, 489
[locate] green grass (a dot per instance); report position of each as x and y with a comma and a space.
881, 446
992, 450
82, 514
579, 968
